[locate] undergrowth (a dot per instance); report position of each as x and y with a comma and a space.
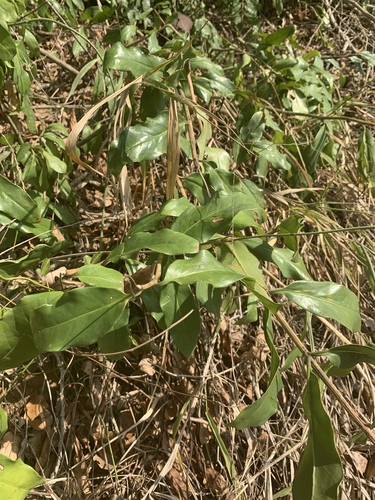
187, 252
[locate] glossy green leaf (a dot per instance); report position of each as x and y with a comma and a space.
133, 60
79, 317
153, 102
203, 267
219, 156
97, 275
319, 470
222, 180
325, 299
262, 410
174, 207
345, 358
148, 222
17, 479
16, 203
176, 301
211, 77
141, 142
251, 127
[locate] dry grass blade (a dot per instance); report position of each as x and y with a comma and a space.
173, 149
71, 141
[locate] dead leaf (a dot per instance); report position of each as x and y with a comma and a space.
359, 461
177, 482
215, 481
50, 278
370, 469
37, 413
183, 22
146, 366
10, 445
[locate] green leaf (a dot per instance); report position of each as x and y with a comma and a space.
8, 13
209, 297
366, 158
141, 142
10, 269
278, 36
218, 156
164, 241
78, 318
251, 130
224, 451
269, 152
16, 203
345, 358
311, 153
212, 76
326, 299
3, 422
117, 339
176, 301
7, 46
262, 410
55, 163
203, 267
16, 339
319, 470
133, 60
152, 103
99, 276
17, 479
241, 258
292, 224
290, 264
217, 215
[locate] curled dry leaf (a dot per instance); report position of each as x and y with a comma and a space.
146, 366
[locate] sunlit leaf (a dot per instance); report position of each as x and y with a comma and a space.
17, 479
203, 267
79, 317
133, 59
325, 299
100, 276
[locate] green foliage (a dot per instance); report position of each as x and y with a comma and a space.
192, 249
319, 471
